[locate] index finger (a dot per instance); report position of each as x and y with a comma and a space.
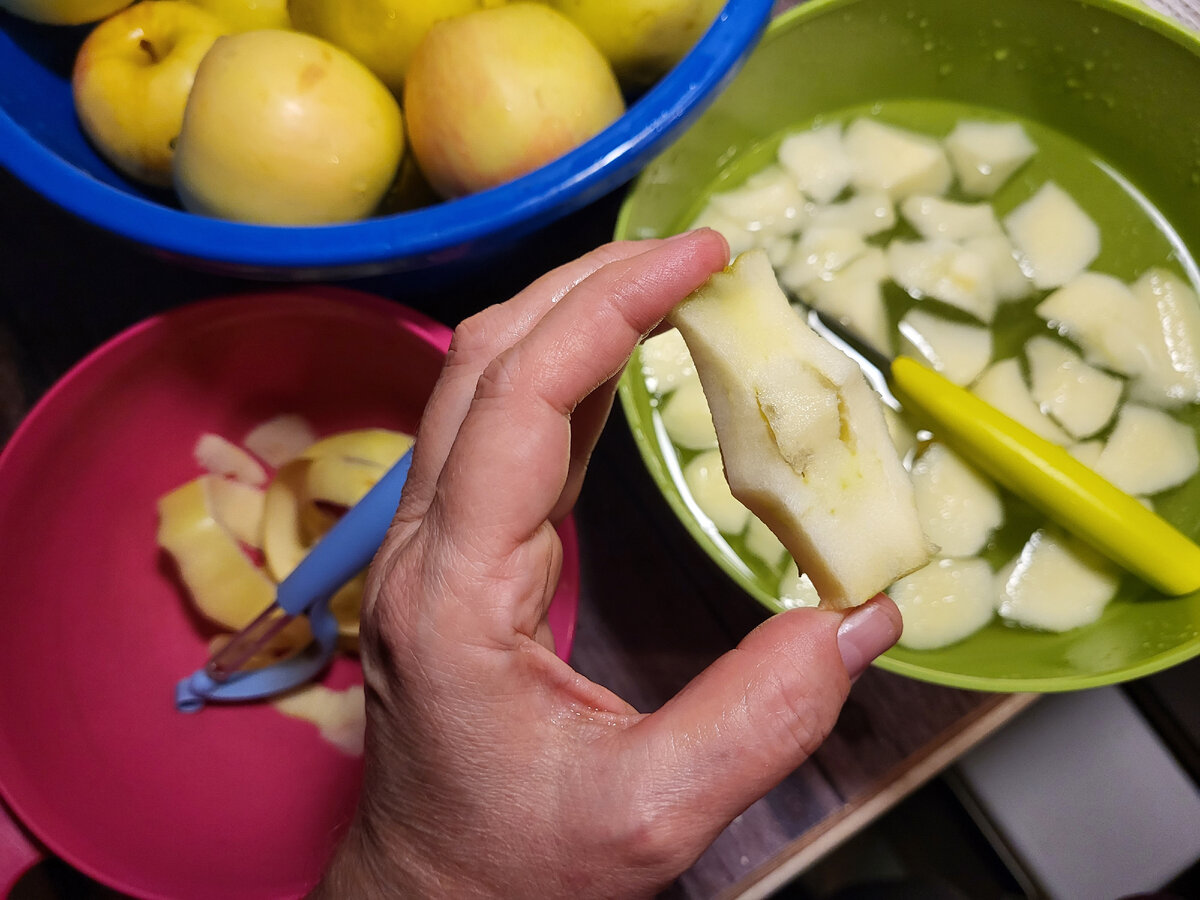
509, 463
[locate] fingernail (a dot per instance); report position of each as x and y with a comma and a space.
865, 633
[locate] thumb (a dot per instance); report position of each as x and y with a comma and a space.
754, 715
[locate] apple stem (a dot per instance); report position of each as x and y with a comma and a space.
149, 48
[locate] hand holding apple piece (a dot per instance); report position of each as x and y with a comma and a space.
491, 765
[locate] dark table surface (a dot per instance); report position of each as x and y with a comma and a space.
654, 610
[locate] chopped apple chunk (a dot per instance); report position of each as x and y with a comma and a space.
1008, 281
666, 362
706, 482
796, 589
737, 236
687, 419
1003, 387
959, 350
819, 253
818, 161
803, 436
768, 204
761, 541
1054, 238
1055, 583
1148, 451
1081, 398
945, 271
943, 602
959, 508
1100, 314
935, 217
1172, 313
868, 214
986, 154
853, 296
895, 161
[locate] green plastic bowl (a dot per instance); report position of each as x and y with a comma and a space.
1113, 78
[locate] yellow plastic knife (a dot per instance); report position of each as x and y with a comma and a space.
1044, 474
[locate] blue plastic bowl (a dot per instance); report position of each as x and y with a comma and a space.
41, 143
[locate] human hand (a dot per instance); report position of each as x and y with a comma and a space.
492, 767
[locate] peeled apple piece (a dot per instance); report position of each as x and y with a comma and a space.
802, 434
1003, 387
941, 269
1079, 397
854, 297
761, 541
895, 161
666, 362
796, 589
1008, 281
687, 419
705, 480
1172, 313
986, 154
867, 213
1054, 238
934, 217
739, 238
819, 253
818, 161
944, 602
1148, 451
959, 508
958, 350
768, 204
1055, 584
1099, 313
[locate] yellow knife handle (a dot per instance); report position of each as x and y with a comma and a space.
1048, 477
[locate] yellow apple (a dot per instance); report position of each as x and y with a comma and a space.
131, 81
63, 12
494, 94
381, 34
284, 128
245, 15
641, 38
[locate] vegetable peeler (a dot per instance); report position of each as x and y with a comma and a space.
344, 550
1036, 470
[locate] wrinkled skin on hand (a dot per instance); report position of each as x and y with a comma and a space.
492, 768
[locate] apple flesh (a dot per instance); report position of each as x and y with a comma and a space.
63, 12
284, 128
497, 93
381, 34
131, 81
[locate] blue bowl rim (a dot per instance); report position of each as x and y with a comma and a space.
572, 180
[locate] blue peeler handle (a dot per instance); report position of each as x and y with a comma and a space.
348, 546
344, 550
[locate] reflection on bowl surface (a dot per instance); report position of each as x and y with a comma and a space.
1107, 92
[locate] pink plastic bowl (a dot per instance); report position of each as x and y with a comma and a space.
235, 801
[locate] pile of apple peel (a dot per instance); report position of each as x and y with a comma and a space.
238, 529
